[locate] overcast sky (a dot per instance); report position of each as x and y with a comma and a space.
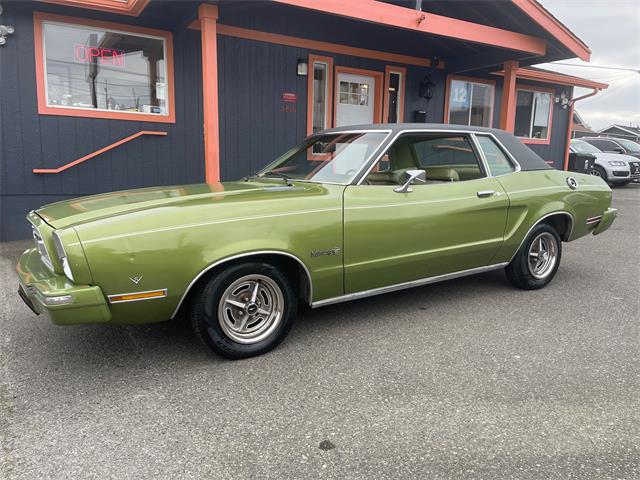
611, 28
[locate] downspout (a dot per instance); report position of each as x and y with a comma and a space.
570, 124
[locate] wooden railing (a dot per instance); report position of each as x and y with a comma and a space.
97, 152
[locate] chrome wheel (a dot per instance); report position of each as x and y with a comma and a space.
250, 309
595, 173
543, 255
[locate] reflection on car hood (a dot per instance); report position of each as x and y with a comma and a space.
86, 209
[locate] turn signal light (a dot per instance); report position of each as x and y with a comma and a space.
131, 297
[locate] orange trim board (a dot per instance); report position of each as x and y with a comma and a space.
278, 39
546, 20
97, 152
124, 7
208, 15
555, 78
408, 18
508, 102
44, 109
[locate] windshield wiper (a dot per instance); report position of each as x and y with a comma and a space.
281, 175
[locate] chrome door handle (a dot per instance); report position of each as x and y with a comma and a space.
486, 193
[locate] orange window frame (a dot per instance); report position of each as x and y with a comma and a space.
40, 18
388, 70
124, 7
379, 78
328, 61
535, 89
481, 81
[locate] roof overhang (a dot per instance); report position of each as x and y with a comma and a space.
124, 7
554, 27
407, 18
556, 78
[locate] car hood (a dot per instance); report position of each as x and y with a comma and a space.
86, 209
607, 157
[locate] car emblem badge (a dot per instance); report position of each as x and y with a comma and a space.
328, 253
573, 184
136, 280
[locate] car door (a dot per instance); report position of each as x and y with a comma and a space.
454, 222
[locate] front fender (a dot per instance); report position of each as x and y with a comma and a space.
169, 254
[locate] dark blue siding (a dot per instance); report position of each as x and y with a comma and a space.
33, 141
253, 76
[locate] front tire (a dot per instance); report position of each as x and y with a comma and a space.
244, 310
600, 172
538, 259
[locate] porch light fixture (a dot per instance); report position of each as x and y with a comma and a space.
303, 67
5, 31
562, 100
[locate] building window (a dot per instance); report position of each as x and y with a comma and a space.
95, 69
470, 102
354, 93
533, 115
394, 94
319, 93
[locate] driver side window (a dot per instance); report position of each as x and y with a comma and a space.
444, 158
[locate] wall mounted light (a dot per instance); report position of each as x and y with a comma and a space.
562, 100
5, 30
303, 67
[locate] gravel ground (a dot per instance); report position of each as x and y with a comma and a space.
466, 379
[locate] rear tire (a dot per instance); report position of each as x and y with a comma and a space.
537, 261
244, 310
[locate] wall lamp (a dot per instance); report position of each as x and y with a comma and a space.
303, 67
563, 100
5, 30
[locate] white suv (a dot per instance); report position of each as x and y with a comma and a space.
614, 168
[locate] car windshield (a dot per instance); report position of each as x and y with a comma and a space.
580, 146
629, 146
327, 158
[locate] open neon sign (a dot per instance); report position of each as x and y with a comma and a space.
103, 56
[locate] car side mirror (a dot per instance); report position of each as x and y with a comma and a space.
618, 150
413, 177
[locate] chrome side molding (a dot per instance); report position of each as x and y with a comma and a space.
405, 285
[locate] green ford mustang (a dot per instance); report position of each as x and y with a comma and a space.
349, 213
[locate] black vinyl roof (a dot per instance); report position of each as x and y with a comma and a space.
527, 158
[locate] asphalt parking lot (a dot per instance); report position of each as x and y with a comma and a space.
466, 379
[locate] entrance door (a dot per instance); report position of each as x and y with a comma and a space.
358, 97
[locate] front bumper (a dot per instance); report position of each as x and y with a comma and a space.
605, 222
619, 176
63, 302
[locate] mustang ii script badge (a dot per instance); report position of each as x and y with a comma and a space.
325, 253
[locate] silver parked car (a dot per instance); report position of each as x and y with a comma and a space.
614, 168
